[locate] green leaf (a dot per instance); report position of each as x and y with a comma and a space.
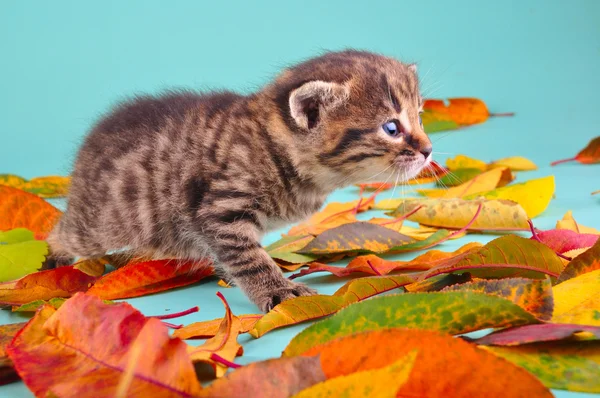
504, 257
20, 254
285, 247
33, 306
449, 312
458, 177
573, 366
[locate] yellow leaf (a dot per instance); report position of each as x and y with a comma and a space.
515, 163
465, 162
568, 222
483, 182
495, 215
92, 267
533, 195
577, 300
380, 383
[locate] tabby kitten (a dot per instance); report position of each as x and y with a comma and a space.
190, 175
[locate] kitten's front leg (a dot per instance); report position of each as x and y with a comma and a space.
239, 253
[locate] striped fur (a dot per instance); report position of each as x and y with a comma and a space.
191, 175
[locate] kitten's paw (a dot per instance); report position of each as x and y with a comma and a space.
279, 295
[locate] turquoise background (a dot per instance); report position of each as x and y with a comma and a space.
63, 63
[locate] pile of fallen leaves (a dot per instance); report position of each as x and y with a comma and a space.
390, 330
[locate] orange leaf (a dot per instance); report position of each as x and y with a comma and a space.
91, 346
374, 265
7, 372
483, 182
207, 329
224, 344
445, 366
588, 155
147, 277
45, 285
20, 209
463, 111
281, 377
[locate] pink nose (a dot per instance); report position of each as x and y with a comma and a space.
426, 151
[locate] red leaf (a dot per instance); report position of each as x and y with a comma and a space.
564, 240
142, 278
535, 333
45, 285
588, 155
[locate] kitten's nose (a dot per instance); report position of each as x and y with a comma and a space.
426, 151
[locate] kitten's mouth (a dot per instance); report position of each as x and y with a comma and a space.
411, 167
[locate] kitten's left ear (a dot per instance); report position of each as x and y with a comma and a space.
311, 101
413, 67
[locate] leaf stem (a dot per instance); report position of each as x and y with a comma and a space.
537, 238
373, 268
177, 314
404, 216
223, 361
563, 161
172, 326
503, 114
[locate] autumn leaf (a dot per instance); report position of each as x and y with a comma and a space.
207, 329
449, 312
463, 111
577, 300
141, 278
223, 345
275, 378
7, 332
533, 195
568, 222
93, 266
434, 121
382, 383
33, 306
458, 177
585, 262
496, 215
572, 366
300, 309
444, 366
588, 155
284, 249
20, 209
465, 162
507, 256
534, 296
45, 187
514, 163
596, 192
535, 334
20, 254
45, 285
483, 182
374, 265
564, 240
97, 345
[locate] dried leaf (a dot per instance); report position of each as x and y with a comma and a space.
8, 374
274, 378
355, 237
515, 163
572, 366
374, 265
20, 209
535, 334
585, 262
445, 366
568, 222
534, 296
382, 382
577, 300
147, 277
300, 309
463, 111
285, 248
437, 283
465, 162
458, 177
93, 266
449, 312
533, 195
33, 306
224, 343
483, 182
45, 285
333, 215
504, 257
207, 329
93, 343
495, 215
20, 254
45, 187
588, 155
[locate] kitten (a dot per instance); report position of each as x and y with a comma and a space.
188, 175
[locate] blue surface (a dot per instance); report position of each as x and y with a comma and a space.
64, 62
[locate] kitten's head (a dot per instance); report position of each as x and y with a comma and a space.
355, 117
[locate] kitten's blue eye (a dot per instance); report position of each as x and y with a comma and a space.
391, 128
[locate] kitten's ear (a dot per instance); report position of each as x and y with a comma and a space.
309, 102
413, 67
